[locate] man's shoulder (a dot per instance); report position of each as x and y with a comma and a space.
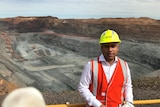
121, 59
94, 58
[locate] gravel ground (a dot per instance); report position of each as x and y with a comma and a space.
143, 89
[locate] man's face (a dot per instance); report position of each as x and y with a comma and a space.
110, 50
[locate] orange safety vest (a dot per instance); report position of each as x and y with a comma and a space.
110, 93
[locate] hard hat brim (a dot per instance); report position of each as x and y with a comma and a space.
109, 42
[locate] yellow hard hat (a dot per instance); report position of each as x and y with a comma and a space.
109, 36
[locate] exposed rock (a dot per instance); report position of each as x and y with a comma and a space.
49, 53
6, 87
141, 29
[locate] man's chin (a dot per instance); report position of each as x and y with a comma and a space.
111, 57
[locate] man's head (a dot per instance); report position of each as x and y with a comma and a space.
109, 41
24, 97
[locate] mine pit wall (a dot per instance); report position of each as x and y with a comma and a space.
144, 29
141, 35
82, 46
141, 52
145, 56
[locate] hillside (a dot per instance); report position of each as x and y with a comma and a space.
49, 53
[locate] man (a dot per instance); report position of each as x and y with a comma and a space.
24, 97
106, 80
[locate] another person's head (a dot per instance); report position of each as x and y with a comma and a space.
24, 97
109, 42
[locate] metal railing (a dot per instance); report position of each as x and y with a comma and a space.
154, 101
136, 102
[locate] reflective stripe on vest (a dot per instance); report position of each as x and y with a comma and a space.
124, 69
95, 78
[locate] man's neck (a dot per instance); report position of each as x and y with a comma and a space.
111, 61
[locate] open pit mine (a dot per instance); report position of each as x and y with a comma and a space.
49, 53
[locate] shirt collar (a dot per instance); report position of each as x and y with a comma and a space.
101, 58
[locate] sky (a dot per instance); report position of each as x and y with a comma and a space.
78, 9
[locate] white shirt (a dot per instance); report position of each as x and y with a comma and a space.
85, 81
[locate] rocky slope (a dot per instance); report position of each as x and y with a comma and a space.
52, 52
128, 28
141, 30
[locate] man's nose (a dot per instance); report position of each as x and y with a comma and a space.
110, 48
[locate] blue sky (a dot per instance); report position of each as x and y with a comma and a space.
81, 8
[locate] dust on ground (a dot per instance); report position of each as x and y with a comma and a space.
143, 88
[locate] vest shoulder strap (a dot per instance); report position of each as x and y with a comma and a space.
124, 69
94, 65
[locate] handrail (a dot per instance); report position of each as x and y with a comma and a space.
153, 101
68, 105
136, 102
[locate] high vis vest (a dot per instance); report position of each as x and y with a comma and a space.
110, 93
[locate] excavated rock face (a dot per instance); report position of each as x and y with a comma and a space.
140, 38
141, 29
6, 87
49, 53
